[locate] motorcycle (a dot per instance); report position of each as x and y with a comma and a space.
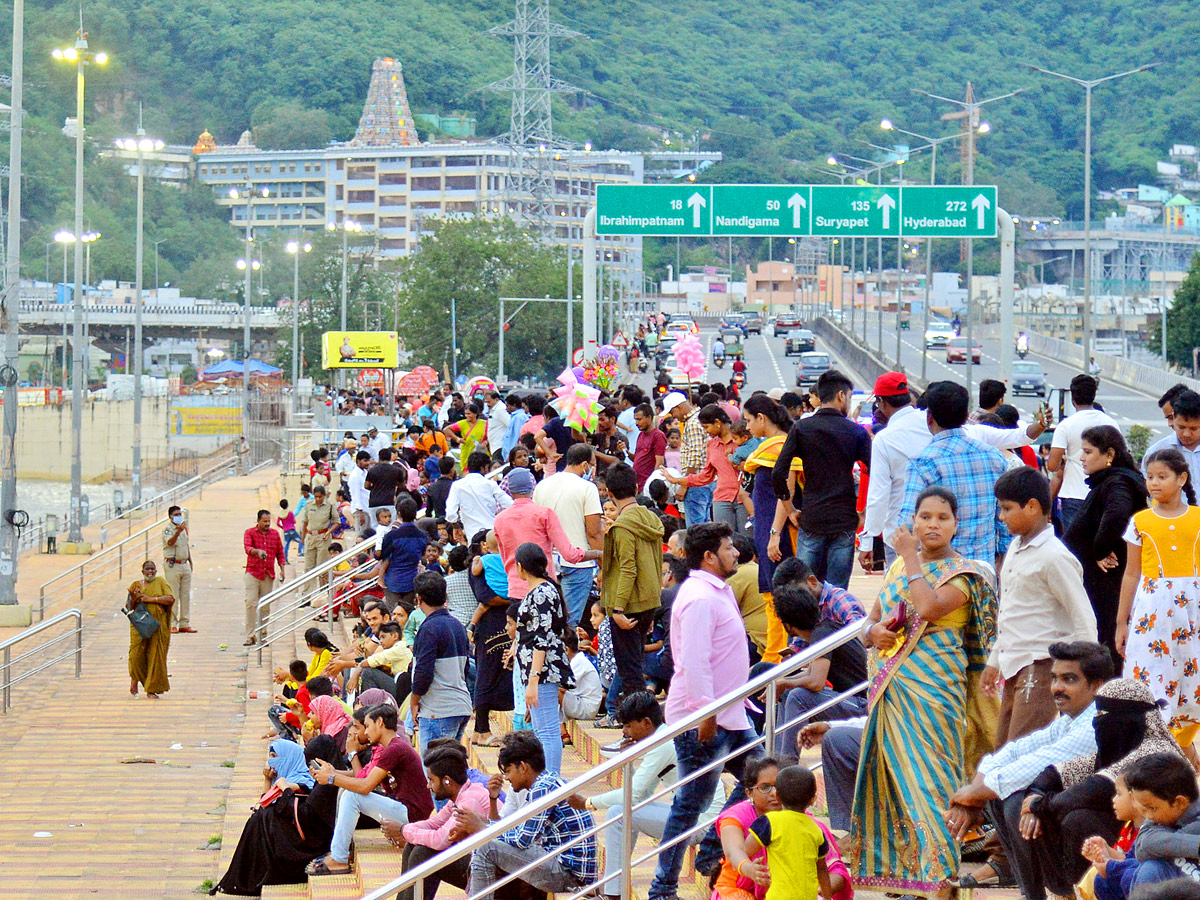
1022, 347
642, 365
739, 379
719, 361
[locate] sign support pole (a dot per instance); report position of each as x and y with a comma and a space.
589, 285
1008, 240
500, 350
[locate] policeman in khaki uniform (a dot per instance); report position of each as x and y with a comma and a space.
177, 570
320, 516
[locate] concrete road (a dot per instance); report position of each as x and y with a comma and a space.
1126, 405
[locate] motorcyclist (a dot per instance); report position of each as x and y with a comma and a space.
718, 349
1022, 344
739, 367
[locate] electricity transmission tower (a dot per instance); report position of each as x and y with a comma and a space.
529, 188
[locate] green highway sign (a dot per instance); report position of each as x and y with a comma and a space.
855, 210
783, 210
773, 209
932, 211
667, 209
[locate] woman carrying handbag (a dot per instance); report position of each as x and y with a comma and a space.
149, 612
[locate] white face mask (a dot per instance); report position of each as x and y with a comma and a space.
177, 519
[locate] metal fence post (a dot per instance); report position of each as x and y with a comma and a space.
6, 677
121, 560
627, 831
82, 566
41, 603
769, 724
78, 644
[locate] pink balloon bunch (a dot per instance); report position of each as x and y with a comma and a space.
577, 403
689, 356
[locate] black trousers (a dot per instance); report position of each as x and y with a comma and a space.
629, 648
1053, 861
456, 873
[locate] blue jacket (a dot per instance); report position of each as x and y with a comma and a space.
439, 675
403, 548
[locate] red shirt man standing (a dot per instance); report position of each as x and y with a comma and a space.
263, 547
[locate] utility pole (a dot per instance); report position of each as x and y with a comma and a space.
12, 288
1087, 86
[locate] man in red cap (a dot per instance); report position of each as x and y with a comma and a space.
905, 436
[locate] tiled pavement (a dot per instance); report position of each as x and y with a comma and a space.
78, 816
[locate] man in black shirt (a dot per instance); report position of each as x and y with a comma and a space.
382, 479
797, 603
828, 444
435, 497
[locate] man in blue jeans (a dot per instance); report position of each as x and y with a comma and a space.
693, 455
711, 655
440, 702
829, 444
798, 606
573, 497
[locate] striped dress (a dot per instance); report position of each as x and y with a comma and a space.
927, 727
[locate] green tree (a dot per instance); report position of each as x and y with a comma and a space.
477, 261
1183, 320
290, 126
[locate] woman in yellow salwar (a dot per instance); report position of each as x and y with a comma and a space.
148, 656
928, 722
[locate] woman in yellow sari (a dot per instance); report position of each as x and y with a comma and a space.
773, 534
928, 721
148, 656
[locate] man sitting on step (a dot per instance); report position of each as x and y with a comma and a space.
641, 717
395, 767
522, 762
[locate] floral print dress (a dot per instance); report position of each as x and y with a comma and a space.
1164, 621
540, 624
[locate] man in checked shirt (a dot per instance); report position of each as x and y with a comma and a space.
693, 455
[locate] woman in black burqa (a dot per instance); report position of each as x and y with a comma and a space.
1068, 803
280, 839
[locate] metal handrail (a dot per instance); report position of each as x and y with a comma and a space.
105, 557
303, 599
6, 660
624, 761
295, 584
324, 607
170, 494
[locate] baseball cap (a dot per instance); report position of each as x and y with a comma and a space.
776, 394
671, 401
891, 384
520, 481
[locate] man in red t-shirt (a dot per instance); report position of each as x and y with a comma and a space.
651, 444
396, 766
263, 547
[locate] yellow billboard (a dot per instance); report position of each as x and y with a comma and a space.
359, 349
198, 420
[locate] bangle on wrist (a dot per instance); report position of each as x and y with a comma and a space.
739, 866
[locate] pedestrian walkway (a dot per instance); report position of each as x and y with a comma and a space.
114, 796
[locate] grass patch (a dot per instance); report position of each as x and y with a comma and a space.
215, 839
205, 886
228, 764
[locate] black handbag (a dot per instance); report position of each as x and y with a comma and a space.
143, 621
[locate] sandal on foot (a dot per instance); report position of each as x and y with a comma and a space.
318, 867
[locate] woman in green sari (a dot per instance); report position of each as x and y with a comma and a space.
148, 656
928, 721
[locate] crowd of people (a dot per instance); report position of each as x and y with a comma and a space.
633, 574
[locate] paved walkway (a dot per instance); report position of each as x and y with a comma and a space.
111, 796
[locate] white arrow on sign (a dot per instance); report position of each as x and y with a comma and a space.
795, 204
887, 203
980, 204
697, 203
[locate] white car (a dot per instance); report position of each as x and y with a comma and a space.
939, 334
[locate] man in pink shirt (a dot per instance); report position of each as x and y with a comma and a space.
446, 764
526, 521
711, 654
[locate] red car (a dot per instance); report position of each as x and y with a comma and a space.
956, 351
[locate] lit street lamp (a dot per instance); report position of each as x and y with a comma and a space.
82, 57
249, 192
1087, 191
139, 145
296, 248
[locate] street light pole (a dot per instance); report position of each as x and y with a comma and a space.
296, 248
248, 191
81, 56
9, 534
156, 243
1087, 86
140, 145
